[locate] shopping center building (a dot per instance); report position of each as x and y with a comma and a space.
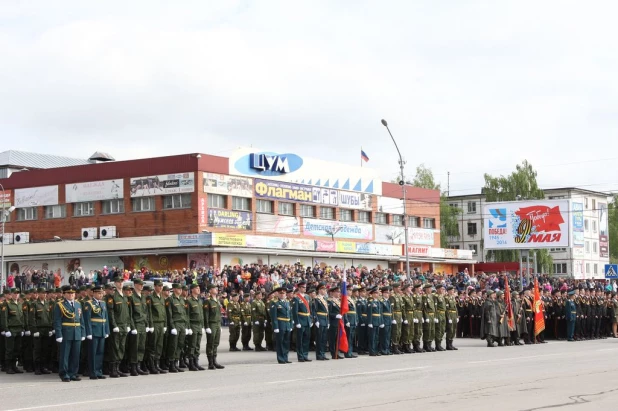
197, 210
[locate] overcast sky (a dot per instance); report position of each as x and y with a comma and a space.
467, 87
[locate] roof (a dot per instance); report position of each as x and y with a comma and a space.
23, 159
545, 191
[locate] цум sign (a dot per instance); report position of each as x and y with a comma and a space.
268, 164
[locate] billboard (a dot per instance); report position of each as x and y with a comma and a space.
228, 185
603, 231
36, 196
163, 185
390, 234
269, 223
94, 191
237, 220
527, 224
337, 229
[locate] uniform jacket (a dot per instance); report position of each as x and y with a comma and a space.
69, 321
96, 319
301, 310
280, 314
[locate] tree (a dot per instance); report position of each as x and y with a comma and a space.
519, 185
449, 223
612, 218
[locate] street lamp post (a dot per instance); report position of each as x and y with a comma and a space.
402, 183
4, 215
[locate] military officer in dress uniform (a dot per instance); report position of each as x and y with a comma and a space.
195, 311
119, 315
407, 315
282, 325
429, 318
6, 295
350, 320
301, 316
374, 316
26, 340
361, 309
70, 332
41, 327
571, 315
13, 327
96, 322
212, 322
258, 318
320, 320
176, 313
387, 322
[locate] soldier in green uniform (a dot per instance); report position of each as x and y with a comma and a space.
107, 354
282, 325
119, 314
387, 322
429, 318
70, 332
137, 338
182, 356
212, 321
245, 319
234, 315
177, 331
440, 309
148, 346
451, 317
127, 290
96, 324
361, 309
350, 320
320, 320
41, 328
258, 318
3, 297
26, 340
408, 315
417, 318
195, 312
396, 302
13, 323
301, 316
158, 316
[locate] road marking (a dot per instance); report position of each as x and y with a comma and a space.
515, 358
330, 377
66, 404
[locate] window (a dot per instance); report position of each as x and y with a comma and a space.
113, 206
83, 209
216, 201
241, 204
473, 247
264, 206
396, 219
586, 202
56, 211
380, 218
414, 221
586, 224
429, 223
144, 203
471, 228
345, 215
560, 268
307, 210
557, 250
595, 267
471, 207
176, 201
286, 208
327, 213
25, 214
594, 226
455, 246
556, 197
594, 246
587, 268
363, 216
454, 205
587, 246
594, 207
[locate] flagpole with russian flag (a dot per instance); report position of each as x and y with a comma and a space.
363, 157
342, 340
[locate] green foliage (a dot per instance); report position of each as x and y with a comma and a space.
612, 217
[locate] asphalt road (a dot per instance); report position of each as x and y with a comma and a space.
557, 375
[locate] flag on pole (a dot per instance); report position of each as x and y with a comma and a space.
539, 319
509, 307
364, 156
342, 342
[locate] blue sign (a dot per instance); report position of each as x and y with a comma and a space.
268, 164
195, 240
611, 270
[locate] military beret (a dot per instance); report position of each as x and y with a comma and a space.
138, 281
158, 283
449, 288
193, 286
439, 286
428, 285
176, 286
211, 286
185, 288
385, 289
166, 288
97, 289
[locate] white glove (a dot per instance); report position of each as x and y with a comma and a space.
265, 322
203, 331
310, 325
3, 333
174, 332
394, 322
362, 325
150, 330
458, 320
106, 335
231, 323
317, 324
22, 333
415, 321
8, 334
276, 331
427, 320
405, 322
51, 333
83, 338
116, 330
381, 325
338, 316
257, 323
36, 335
27, 333
164, 329
208, 331
450, 321
134, 332
245, 324
59, 340
370, 326
297, 325
187, 331
435, 320
327, 326
190, 332
347, 324
128, 329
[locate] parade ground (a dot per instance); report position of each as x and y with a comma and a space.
556, 375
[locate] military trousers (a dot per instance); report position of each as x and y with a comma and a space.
12, 347
333, 333
451, 327
194, 341
570, 329
234, 334
26, 350
385, 339
320, 341
42, 346
268, 334
429, 328
96, 350
440, 327
258, 334
282, 345
362, 338
303, 336
350, 333
396, 329
417, 329
68, 358
406, 333
246, 334
119, 343
137, 346
212, 339
373, 337
175, 343
156, 341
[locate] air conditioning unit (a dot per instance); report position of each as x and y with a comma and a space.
7, 238
108, 232
21, 238
89, 233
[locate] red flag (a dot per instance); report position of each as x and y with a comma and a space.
342, 341
539, 319
509, 307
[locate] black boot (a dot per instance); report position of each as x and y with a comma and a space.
152, 367
141, 370
490, 342
172, 366
105, 369
9, 368
113, 372
37, 368
182, 363
211, 366
439, 346
216, 364
178, 366
453, 347
448, 345
157, 365
196, 362
192, 366
119, 371
16, 370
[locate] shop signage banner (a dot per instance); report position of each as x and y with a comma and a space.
238, 220
163, 185
36, 196
280, 190
94, 191
228, 185
337, 229
229, 240
270, 223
